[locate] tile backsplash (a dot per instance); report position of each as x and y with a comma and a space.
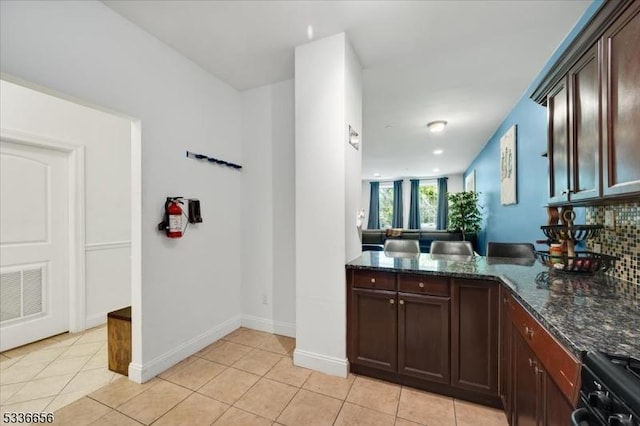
623, 241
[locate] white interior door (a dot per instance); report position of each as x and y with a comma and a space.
34, 243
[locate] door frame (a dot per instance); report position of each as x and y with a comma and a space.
76, 240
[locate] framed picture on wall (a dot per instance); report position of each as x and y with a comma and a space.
470, 181
508, 171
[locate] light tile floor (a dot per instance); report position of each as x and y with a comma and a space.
47, 375
248, 378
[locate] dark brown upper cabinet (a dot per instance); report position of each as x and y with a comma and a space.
593, 98
585, 125
621, 106
558, 142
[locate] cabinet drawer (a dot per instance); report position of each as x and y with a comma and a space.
423, 284
374, 279
560, 365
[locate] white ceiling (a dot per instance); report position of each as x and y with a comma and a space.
467, 62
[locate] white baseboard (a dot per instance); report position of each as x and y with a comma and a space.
147, 371
323, 363
270, 326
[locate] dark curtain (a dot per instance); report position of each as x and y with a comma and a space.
443, 204
374, 206
397, 205
414, 205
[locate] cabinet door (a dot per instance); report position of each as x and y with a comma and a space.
558, 142
585, 124
505, 352
423, 337
526, 385
374, 323
557, 410
621, 70
474, 336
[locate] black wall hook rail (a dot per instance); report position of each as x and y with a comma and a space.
213, 160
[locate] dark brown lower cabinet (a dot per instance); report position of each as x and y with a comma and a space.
373, 322
526, 384
432, 333
505, 352
423, 337
533, 397
556, 407
465, 338
474, 335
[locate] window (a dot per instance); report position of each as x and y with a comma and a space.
386, 204
428, 204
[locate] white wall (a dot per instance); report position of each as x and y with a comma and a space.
353, 157
268, 231
284, 219
454, 184
107, 142
324, 92
190, 292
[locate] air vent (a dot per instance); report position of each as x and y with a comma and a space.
21, 294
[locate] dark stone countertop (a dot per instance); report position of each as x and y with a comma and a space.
583, 311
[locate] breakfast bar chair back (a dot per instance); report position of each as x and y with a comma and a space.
519, 250
463, 248
401, 246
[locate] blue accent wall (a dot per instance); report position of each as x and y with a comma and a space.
520, 222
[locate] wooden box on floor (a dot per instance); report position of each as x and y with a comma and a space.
119, 340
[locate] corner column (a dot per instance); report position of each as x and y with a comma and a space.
328, 98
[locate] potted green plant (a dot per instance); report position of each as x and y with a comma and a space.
464, 213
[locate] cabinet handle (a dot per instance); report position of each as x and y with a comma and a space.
421, 285
392, 301
373, 280
529, 332
567, 191
401, 302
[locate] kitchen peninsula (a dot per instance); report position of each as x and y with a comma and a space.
503, 332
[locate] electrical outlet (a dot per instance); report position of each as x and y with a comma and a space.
610, 219
265, 300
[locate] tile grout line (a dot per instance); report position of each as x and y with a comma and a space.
59, 342
398, 404
455, 412
263, 376
72, 378
286, 405
172, 407
231, 366
35, 378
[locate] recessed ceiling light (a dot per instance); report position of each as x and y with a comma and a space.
310, 32
376, 175
436, 170
388, 126
437, 126
437, 151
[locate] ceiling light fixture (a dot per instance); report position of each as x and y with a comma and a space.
436, 170
437, 152
376, 175
310, 32
437, 126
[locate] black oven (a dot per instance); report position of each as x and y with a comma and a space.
610, 391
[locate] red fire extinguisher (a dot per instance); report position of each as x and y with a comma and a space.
175, 220
172, 220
